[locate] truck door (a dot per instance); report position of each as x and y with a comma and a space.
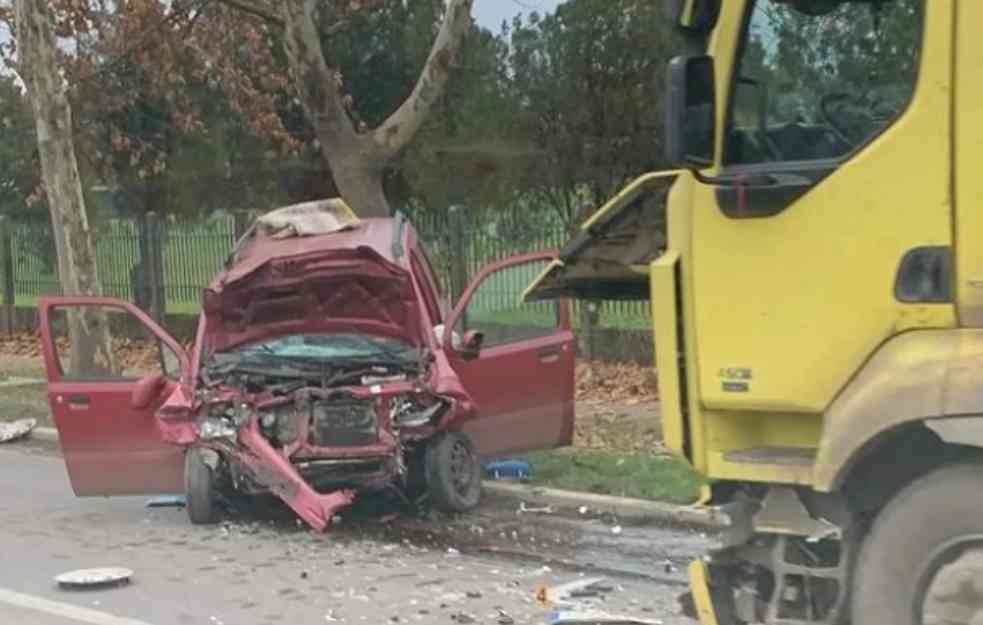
96, 353
969, 154
838, 120
522, 377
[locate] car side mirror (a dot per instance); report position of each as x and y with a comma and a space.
691, 114
471, 345
147, 390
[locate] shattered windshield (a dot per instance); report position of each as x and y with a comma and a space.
817, 79
322, 349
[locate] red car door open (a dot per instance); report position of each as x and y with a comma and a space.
96, 352
522, 376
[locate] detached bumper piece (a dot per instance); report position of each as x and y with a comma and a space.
269, 468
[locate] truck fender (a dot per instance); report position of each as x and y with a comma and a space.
913, 377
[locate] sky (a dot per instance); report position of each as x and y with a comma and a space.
490, 13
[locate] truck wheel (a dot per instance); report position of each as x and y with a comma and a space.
199, 488
922, 562
453, 473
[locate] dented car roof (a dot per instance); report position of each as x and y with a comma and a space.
381, 235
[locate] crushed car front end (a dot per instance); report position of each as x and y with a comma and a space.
316, 374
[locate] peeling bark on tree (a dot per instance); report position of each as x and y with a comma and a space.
358, 158
39, 69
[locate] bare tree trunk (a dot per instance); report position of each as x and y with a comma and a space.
358, 157
39, 69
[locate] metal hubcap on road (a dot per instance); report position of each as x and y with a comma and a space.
462, 467
954, 592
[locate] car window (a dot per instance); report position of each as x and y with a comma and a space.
97, 342
496, 308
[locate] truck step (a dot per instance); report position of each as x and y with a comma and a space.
784, 456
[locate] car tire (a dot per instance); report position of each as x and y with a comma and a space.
929, 535
453, 473
199, 488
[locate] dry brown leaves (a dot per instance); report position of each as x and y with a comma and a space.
626, 383
134, 356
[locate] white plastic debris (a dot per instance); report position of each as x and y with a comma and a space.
16, 429
590, 617
565, 595
91, 578
524, 509
583, 509
616, 530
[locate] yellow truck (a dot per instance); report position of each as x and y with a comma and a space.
818, 307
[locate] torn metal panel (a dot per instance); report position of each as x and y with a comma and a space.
782, 512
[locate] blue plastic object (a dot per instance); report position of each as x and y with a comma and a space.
515, 469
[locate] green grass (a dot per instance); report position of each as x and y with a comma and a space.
25, 401
657, 477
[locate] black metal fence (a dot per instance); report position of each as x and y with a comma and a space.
192, 251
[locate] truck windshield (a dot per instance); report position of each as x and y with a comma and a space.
817, 79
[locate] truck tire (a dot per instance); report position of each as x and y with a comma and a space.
199, 488
453, 473
922, 561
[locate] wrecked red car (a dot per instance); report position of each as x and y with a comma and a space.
325, 364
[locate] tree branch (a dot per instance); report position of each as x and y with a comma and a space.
318, 85
400, 128
255, 11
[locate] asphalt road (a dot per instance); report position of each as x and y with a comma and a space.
373, 567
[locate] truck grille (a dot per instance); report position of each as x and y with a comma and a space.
344, 423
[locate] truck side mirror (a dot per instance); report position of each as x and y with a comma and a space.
691, 113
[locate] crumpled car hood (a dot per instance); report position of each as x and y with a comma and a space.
338, 290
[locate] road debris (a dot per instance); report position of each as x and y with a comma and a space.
590, 617
524, 509
94, 578
167, 501
562, 594
616, 530
508, 470
16, 429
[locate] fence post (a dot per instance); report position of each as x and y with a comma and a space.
7, 261
458, 252
153, 266
589, 319
241, 221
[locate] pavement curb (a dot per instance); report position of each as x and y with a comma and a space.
623, 507
45, 434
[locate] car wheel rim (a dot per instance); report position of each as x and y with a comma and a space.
462, 468
950, 591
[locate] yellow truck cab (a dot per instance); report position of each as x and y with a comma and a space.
818, 308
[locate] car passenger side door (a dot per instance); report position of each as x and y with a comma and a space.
97, 351
522, 377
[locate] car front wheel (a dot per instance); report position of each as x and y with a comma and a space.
453, 473
199, 488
